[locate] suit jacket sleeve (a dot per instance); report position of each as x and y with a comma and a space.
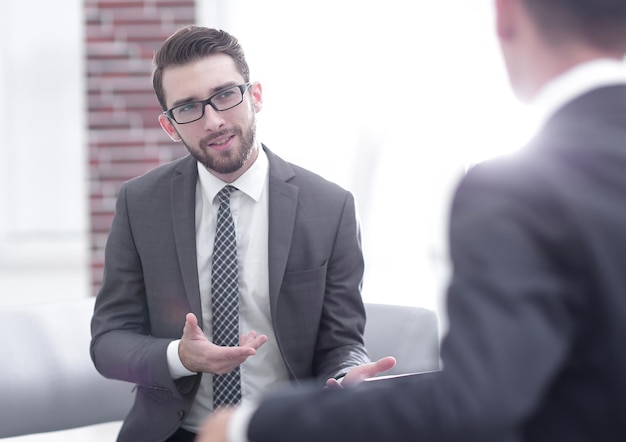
125, 344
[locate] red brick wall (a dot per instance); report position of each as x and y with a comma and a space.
124, 136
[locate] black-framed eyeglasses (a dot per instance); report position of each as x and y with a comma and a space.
220, 101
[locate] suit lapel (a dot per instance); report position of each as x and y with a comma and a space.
183, 199
283, 200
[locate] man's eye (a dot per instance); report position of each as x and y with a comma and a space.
226, 94
189, 107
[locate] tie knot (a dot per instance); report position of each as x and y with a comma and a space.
224, 195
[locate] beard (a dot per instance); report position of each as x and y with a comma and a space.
227, 161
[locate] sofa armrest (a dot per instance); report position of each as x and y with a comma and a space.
48, 380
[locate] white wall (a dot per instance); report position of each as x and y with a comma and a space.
392, 99
43, 184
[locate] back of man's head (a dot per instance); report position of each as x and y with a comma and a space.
598, 23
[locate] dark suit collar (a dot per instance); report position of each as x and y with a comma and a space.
279, 168
183, 199
283, 201
575, 82
601, 110
597, 101
590, 107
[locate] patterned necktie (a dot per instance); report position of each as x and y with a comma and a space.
225, 299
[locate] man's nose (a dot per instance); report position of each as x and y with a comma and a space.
213, 119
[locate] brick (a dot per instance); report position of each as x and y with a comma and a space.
124, 138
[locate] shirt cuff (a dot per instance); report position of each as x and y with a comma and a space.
240, 421
177, 369
339, 377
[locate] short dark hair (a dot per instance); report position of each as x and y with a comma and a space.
601, 23
192, 43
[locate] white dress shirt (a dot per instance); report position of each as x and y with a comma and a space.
249, 209
573, 83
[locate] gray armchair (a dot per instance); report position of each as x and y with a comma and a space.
48, 381
410, 334
49, 384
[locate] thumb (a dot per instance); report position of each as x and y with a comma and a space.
384, 364
191, 329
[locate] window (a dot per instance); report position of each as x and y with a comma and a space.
43, 215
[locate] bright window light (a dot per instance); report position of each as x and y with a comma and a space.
390, 99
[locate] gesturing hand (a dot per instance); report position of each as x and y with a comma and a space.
199, 354
360, 373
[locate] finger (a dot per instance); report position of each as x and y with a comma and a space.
252, 340
229, 358
362, 372
257, 342
333, 383
237, 353
384, 364
374, 368
244, 339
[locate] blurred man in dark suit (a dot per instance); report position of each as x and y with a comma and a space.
537, 298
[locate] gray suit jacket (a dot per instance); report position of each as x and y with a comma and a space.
536, 349
151, 282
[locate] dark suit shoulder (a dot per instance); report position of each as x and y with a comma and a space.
580, 146
306, 176
300, 176
513, 176
161, 176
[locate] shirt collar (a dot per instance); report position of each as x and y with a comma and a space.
251, 182
573, 83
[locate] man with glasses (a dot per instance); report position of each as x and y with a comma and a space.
275, 246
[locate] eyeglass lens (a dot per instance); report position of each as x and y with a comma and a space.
223, 100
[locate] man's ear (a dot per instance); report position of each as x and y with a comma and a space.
505, 18
169, 128
256, 92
